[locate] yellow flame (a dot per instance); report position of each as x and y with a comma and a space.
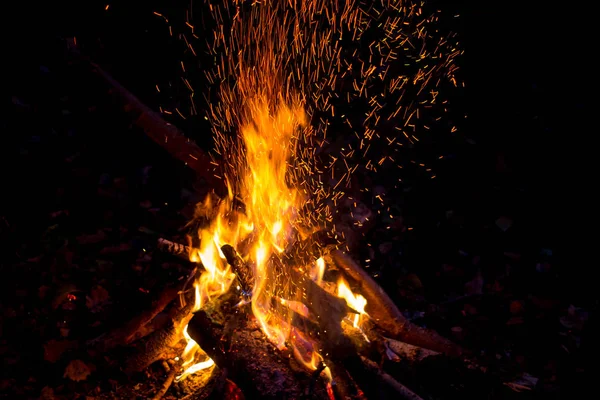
188, 357
271, 205
317, 271
355, 301
265, 228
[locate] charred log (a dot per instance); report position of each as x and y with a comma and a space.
343, 385
177, 249
240, 268
159, 344
387, 380
251, 361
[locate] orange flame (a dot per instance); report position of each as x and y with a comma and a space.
317, 271
266, 227
355, 301
270, 215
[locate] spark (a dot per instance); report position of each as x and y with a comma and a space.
378, 73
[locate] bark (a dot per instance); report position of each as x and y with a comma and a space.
177, 249
408, 353
133, 329
384, 313
240, 268
251, 361
156, 128
402, 391
159, 344
166, 384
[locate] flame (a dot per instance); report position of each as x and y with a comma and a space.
280, 69
214, 281
271, 209
266, 226
271, 206
356, 301
317, 271
188, 357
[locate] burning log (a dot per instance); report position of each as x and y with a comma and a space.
250, 360
328, 309
344, 386
240, 268
158, 344
384, 312
246, 354
402, 391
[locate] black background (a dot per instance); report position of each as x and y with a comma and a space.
529, 73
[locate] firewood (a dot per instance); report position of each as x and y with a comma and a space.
130, 331
166, 384
158, 345
177, 249
251, 361
385, 314
328, 309
409, 353
240, 268
402, 391
156, 128
344, 387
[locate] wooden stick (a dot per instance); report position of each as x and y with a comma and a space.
385, 314
251, 361
344, 387
129, 332
404, 392
158, 344
408, 352
166, 384
156, 128
177, 249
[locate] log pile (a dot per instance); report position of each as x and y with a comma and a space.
228, 333
234, 341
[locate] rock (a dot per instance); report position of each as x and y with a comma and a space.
504, 223
475, 286
458, 333
516, 307
98, 297
77, 371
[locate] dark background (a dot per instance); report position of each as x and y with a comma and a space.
529, 78
525, 151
